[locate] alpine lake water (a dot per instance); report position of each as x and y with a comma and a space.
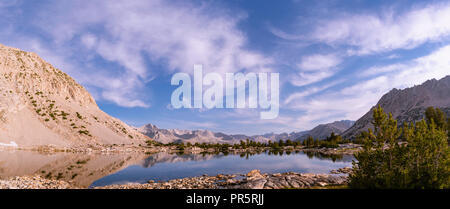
91, 170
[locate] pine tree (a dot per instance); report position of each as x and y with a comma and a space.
437, 116
424, 162
448, 129
309, 142
288, 142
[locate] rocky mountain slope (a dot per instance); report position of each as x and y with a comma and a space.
206, 136
41, 105
409, 104
324, 130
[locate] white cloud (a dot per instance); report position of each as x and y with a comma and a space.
89, 40
182, 35
376, 70
435, 65
281, 34
123, 100
355, 100
319, 62
132, 33
314, 68
368, 34
310, 91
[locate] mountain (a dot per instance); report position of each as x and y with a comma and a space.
204, 136
195, 136
325, 130
408, 105
41, 105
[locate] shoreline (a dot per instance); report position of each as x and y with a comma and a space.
252, 180
343, 149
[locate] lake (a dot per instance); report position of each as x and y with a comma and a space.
88, 170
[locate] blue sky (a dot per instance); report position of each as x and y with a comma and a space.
335, 58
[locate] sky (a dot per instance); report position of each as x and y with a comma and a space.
335, 59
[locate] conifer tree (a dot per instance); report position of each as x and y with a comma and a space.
437, 116
423, 162
448, 129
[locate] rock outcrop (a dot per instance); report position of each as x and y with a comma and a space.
41, 105
253, 180
256, 180
408, 105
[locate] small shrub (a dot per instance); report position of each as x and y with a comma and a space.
79, 115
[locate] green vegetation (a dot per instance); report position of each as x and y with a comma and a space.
49, 175
180, 147
319, 155
436, 116
332, 141
59, 176
448, 128
82, 162
153, 143
225, 148
74, 175
63, 114
439, 119
52, 116
421, 161
85, 132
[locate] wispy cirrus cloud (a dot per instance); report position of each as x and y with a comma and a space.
316, 67
334, 61
319, 62
353, 101
359, 35
386, 31
309, 92
174, 35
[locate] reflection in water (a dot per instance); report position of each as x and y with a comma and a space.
80, 169
334, 158
84, 170
165, 166
164, 157
311, 155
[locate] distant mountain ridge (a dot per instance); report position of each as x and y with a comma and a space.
206, 136
408, 105
324, 130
